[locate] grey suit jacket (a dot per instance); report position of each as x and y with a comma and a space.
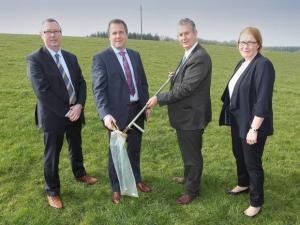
189, 105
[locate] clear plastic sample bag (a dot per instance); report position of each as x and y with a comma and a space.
122, 164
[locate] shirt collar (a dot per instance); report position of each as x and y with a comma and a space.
117, 51
188, 52
53, 53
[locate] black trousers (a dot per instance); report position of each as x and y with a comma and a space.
249, 164
134, 141
190, 144
53, 143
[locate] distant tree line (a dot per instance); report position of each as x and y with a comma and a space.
284, 49
131, 35
99, 34
213, 42
155, 37
234, 43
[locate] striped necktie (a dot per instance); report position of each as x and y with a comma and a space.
71, 92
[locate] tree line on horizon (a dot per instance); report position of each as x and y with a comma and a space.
232, 43
131, 35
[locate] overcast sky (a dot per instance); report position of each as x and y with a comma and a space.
222, 20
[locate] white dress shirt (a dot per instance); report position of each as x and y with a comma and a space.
236, 76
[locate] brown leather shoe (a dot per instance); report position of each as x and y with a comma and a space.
55, 202
116, 197
185, 199
178, 180
143, 187
87, 179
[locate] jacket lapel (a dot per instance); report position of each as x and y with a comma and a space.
115, 62
49, 60
54, 73
234, 96
52, 64
180, 66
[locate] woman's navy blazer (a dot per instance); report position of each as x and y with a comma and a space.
252, 96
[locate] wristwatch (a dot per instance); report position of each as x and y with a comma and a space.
253, 129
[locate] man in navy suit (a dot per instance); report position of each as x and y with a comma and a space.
120, 91
61, 93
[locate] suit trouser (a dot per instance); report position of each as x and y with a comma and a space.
134, 141
53, 143
190, 144
249, 164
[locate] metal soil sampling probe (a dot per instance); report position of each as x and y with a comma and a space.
119, 154
132, 123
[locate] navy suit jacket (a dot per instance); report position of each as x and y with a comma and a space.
110, 86
49, 87
252, 96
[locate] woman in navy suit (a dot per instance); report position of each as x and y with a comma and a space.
247, 108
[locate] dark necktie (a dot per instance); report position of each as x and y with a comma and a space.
71, 92
128, 74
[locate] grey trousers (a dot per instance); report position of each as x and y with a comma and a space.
190, 144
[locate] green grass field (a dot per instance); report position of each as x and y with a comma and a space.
22, 196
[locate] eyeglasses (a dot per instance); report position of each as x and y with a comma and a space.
48, 32
246, 43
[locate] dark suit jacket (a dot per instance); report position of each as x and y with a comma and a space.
110, 86
50, 89
252, 96
188, 100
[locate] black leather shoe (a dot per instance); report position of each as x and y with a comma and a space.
230, 192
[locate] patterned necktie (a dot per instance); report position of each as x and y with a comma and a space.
71, 92
181, 63
128, 74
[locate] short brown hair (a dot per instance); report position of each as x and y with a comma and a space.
117, 21
255, 33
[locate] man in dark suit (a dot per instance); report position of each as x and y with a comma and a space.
61, 93
189, 106
120, 91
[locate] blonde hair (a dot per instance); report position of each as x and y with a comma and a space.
255, 33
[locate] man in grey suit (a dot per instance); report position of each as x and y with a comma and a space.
189, 106
120, 91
